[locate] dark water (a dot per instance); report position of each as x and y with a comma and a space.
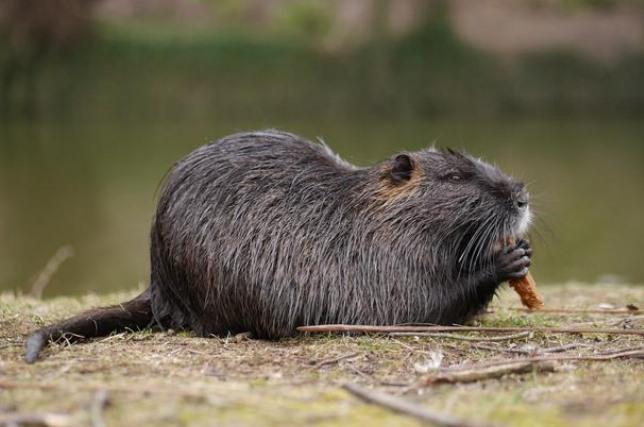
93, 186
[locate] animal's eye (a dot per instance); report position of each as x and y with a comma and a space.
453, 176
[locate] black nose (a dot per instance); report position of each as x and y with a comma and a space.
521, 197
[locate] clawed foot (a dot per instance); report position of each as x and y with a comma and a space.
512, 261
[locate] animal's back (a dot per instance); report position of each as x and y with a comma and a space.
255, 225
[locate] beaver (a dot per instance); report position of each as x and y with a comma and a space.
266, 231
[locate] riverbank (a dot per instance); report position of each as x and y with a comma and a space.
168, 379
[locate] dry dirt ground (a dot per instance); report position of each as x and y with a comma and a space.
175, 379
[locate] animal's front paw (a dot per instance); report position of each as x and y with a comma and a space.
512, 261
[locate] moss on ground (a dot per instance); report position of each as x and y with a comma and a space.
166, 379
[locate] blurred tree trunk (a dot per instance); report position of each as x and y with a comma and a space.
31, 31
383, 84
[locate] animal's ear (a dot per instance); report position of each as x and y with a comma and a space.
401, 169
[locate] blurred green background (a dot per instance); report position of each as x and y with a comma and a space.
99, 98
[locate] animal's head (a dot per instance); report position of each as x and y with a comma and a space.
468, 203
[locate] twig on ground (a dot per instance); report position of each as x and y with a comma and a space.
535, 350
476, 373
562, 348
520, 350
483, 346
405, 407
429, 329
626, 310
632, 353
394, 384
112, 337
35, 419
460, 337
42, 280
335, 360
500, 368
402, 344
100, 401
359, 372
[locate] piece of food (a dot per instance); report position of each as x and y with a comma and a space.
527, 290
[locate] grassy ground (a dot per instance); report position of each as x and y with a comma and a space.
169, 379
